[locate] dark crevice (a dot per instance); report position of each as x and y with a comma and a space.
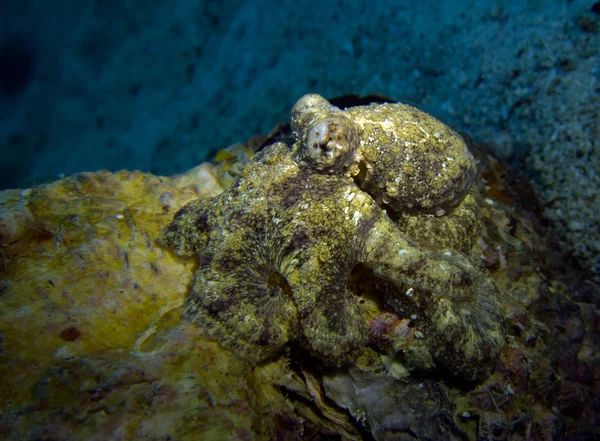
277, 282
360, 178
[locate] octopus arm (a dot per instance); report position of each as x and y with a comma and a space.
243, 302
189, 232
456, 303
332, 321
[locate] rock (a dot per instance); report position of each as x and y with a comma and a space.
95, 342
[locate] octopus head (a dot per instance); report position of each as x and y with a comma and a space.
327, 138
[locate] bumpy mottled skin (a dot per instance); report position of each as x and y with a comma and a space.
409, 161
457, 230
276, 249
414, 163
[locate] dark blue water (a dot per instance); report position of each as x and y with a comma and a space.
159, 86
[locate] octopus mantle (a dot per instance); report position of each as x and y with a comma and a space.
276, 251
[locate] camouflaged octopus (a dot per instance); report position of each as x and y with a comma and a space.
276, 250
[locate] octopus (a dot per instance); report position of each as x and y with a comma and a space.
276, 250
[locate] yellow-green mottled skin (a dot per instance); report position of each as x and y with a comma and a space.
405, 159
276, 249
457, 230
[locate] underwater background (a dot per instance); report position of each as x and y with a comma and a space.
216, 223
160, 86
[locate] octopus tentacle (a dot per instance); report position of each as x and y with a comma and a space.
453, 299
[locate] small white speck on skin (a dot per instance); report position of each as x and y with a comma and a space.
484, 246
401, 252
356, 217
26, 192
409, 292
509, 390
119, 216
447, 253
489, 201
413, 317
387, 125
443, 267
418, 334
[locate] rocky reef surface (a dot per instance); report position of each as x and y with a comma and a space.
326, 303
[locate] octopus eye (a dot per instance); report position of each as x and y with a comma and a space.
328, 143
